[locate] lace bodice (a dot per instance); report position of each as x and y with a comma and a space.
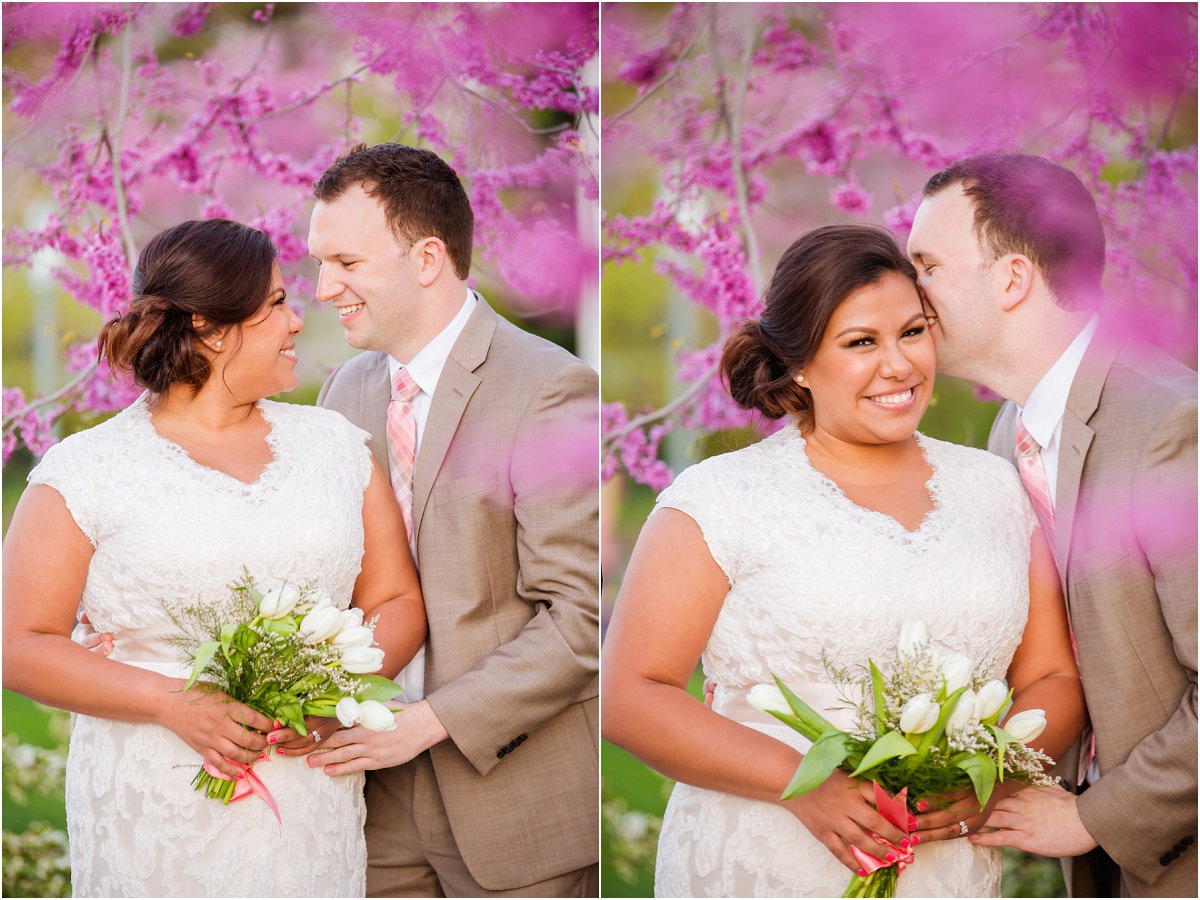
812, 573
809, 570
167, 531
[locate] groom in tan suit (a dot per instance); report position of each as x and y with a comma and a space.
1010, 252
489, 784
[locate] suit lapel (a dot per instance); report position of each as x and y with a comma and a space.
375, 392
457, 383
1076, 440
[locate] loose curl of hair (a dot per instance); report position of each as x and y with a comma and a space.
814, 277
212, 268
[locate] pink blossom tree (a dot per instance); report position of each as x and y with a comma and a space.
123, 119
729, 130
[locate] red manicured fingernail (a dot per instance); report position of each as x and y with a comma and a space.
271, 738
922, 805
890, 857
916, 840
862, 873
278, 724
262, 756
241, 775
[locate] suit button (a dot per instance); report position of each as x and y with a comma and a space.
522, 739
504, 750
1187, 841
1165, 860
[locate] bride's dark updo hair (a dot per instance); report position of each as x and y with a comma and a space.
814, 276
214, 268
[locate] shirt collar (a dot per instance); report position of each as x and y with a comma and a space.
426, 367
1048, 400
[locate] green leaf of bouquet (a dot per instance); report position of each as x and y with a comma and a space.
982, 770
203, 654
877, 694
797, 724
376, 687
281, 626
890, 746
323, 708
292, 715
826, 754
1002, 741
803, 711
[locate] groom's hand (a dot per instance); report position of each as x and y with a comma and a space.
357, 749
1042, 820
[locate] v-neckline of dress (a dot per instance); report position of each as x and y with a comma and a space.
881, 521
217, 478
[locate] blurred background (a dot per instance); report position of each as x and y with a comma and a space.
730, 129
122, 119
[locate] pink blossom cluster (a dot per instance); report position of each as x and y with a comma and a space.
126, 142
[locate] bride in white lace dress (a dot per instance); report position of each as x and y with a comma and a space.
165, 505
818, 540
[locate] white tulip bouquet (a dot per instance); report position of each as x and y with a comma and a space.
286, 653
926, 728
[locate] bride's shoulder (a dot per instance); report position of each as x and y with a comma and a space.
318, 419
732, 471
967, 464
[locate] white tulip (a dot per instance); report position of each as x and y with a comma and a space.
278, 602
913, 635
964, 713
1026, 725
362, 660
315, 601
990, 698
348, 712
768, 698
919, 714
376, 716
354, 636
957, 670
321, 622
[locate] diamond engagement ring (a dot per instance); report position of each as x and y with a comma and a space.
962, 828
317, 740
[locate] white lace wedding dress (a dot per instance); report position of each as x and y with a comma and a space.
812, 572
166, 529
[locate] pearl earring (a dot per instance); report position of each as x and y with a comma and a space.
219, 345
799, 379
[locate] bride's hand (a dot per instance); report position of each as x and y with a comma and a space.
217, 727
289, 742
841, 812
944, 820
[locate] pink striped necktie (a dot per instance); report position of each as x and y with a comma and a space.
402, 443
1033, 474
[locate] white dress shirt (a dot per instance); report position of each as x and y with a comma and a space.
426, 370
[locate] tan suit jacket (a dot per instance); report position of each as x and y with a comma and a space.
1125, 535
505, 509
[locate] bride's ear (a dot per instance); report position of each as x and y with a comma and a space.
215, 341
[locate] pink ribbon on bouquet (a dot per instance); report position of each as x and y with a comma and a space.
249, 784
895, 810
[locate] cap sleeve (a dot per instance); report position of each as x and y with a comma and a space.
63, 469
697, 492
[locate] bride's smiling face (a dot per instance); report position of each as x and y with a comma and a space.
872, 375
263, 361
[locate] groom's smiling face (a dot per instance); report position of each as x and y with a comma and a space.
365, 272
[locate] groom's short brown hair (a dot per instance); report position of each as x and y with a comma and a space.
421, 195
1027, 204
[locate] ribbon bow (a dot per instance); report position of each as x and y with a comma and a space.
246, 785
895, 810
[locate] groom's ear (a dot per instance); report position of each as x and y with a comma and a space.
1015, 276
430, 255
